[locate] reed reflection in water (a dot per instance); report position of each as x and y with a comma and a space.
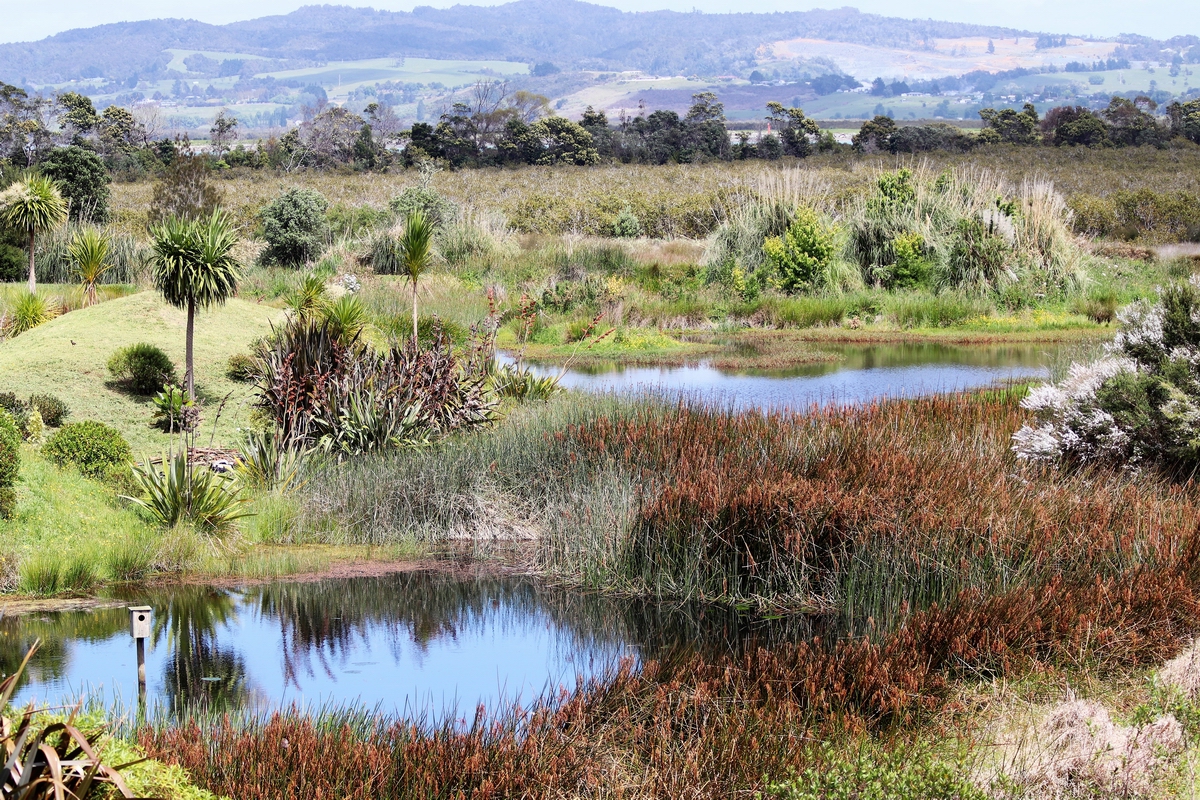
417, 643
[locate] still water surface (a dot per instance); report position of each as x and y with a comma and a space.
414, 643
860, 374
424, 643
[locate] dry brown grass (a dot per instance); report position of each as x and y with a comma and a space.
573, 198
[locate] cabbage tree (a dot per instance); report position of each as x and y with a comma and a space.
194, 267
31, 206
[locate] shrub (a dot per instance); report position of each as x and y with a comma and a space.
241, 367
294, 227
144, 368
34, 427
28, 312
82, 179
438, 210
181, 491
13, 264
10, 463
1100, 306
52, 409
91, 446
1092, 216
801, 258
1138, 405
627, 225
185, 189
18, 410
911, 267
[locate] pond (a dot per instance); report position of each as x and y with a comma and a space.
859, 374
422, 643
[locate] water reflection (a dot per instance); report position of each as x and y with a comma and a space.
413, 642
857, 374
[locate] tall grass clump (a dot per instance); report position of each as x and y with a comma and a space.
127, 258
965, 230
26, 313
920, 310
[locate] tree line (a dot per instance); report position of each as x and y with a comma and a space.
66, 139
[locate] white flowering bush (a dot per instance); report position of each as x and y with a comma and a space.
1137, 405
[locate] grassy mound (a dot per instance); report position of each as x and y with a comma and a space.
68, 356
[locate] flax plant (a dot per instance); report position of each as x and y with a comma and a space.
89, 250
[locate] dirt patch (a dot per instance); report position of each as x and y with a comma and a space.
19, 606
457, 565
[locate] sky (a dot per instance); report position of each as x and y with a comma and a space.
26, 21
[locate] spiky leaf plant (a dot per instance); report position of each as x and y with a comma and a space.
89, 251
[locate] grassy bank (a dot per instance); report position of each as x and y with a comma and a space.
71, 535
68, 357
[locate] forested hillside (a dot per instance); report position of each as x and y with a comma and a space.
564, 32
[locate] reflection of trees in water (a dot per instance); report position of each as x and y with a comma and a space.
325, 622
201, 671
56, 630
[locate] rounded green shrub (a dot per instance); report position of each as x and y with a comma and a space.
17, 409
53, 410
93, 447
802, 256
13, 263
294, 227
627, 225
143, 368
242, 367
10, 462
439, 210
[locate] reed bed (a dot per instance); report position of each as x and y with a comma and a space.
930, 551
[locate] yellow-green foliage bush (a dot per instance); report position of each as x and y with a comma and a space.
1144, 214
802, 256
10, 463
92, 446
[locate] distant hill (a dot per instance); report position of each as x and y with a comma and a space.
567, 33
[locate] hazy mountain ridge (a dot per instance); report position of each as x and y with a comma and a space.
566, 32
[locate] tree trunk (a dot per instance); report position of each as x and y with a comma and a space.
32, 274
414, 312
191, 326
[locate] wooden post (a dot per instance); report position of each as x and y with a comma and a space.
141, 662
139, 629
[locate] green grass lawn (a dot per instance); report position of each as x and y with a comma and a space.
68, 357
63, 518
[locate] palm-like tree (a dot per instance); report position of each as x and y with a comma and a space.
414, 253
32, 205
194, 267
89, 250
